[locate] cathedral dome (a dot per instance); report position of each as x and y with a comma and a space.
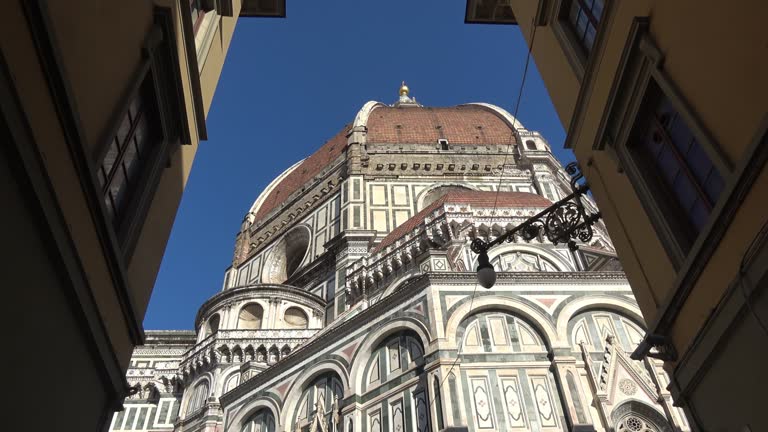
298, 175
472, 124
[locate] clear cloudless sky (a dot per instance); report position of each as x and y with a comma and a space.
290, 84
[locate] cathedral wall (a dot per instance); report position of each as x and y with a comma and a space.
156, 390
520, 364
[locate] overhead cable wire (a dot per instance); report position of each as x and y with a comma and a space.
501, 178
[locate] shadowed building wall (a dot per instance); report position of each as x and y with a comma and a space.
103, 108
664, 104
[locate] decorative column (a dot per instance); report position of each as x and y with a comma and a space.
226, 317
569, 382
453, 409
317, 317
351, 417
599, 389
271, 319
673, 414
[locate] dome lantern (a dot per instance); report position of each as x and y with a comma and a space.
405, 99
404, 90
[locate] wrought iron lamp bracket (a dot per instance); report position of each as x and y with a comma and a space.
565, 221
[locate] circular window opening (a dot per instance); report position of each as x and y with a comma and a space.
287, 255
296, 318
636, 424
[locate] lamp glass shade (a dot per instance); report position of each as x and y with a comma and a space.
486, 277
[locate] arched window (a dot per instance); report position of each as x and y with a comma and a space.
594, 326
261, 354
530, 145
261, 421
232, 382
396, 354
509, 338
295, 318
237, 354
274, 355
250, 316
397, 359
505, 333
213, 325
323, 394
198, 398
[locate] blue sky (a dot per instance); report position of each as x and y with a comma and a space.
290, 84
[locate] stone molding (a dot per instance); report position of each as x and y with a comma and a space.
220, 347
269, 229
540, 278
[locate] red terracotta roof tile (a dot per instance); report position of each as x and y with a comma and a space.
304, 172
466, 124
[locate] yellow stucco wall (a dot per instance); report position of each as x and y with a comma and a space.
719, 70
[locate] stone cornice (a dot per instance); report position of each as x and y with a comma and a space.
223, 341
234, 295
266, 231
162, 350
539, 278
169, 337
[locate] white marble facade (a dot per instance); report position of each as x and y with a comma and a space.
351, 304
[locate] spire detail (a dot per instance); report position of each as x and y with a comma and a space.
405, 99
404, 90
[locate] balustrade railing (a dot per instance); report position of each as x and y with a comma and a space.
248, 337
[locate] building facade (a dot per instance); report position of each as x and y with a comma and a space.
674, 145
102, 108
352, 304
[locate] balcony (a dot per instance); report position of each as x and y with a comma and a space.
237, 346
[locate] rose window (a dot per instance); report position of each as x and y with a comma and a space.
635, 424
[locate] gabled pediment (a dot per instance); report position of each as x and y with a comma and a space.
600, 260
622, 378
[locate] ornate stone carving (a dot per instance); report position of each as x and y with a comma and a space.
628, 387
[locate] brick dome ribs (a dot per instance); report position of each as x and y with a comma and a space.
465, 124
308, 169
